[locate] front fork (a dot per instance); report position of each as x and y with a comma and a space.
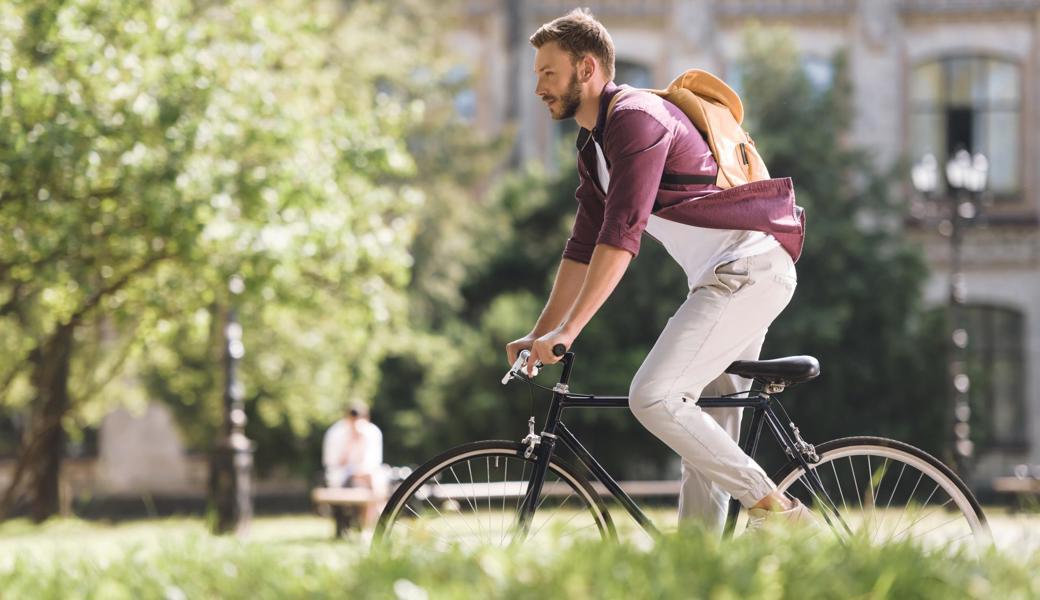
542, 447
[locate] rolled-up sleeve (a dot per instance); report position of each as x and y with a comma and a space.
588, 221
636, 147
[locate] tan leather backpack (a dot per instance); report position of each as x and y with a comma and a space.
717, 112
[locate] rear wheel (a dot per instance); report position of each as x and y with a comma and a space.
886, 491
471, 495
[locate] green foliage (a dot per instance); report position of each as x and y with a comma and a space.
293, 558
150, 152
444, 389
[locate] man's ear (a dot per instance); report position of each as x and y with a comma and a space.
586, 67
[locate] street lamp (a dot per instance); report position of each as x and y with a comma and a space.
965, 181
233, 464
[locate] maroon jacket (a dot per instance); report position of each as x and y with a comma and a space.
647, 138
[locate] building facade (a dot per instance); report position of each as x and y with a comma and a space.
929, 76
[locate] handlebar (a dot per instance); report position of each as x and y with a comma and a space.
521, 362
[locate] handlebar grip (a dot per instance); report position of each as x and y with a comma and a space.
559, 350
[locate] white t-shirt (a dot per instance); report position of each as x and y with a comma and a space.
345, 452
697, 249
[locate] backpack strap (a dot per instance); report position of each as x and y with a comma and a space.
666, 178
677, 179
613, 101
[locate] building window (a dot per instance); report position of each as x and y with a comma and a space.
971, 103
996, 368
818, 71
459, 80
633, 73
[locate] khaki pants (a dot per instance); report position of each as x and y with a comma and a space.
724, 318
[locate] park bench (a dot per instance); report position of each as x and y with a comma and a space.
1026, 490
346, 504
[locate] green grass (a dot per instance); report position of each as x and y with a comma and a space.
295, 557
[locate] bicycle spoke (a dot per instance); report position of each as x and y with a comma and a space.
462, 487
582, 528
907, 528
521, 496
523, 505
922, 514
837, 480
810, 490
568, 521
829, 505
874, 494
556, 512
439, 538
920, 475
855, 484
487, 460
505, 480
546, 496
898, 479
469, 466
873, 497
435, 507
923, 533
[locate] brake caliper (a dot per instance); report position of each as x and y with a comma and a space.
807, 450
532, 439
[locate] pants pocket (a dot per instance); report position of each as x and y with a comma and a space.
734, 275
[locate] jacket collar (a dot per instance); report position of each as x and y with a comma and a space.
601, 120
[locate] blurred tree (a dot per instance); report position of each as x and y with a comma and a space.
152, 151
858, 307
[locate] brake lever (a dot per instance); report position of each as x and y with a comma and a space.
518, 365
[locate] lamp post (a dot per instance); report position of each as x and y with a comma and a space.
965, 182
233, 464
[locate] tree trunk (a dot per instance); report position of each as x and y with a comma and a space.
46, 440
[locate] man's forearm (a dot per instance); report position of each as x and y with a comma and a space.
604, 272
569, 280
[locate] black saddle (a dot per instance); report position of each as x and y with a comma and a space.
786, 371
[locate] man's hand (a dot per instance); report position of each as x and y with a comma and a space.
541, 350
514, 348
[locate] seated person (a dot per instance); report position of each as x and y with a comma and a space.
352, 453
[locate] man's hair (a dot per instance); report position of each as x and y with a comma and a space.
579, 33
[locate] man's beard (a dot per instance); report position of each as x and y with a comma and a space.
570, 100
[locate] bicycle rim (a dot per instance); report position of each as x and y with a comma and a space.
887, 491
471, 496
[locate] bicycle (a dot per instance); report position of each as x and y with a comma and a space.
444, 500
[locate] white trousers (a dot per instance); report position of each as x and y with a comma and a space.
724, 318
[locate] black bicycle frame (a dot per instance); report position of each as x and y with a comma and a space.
555, 430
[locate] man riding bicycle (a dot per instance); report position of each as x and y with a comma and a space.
738, 256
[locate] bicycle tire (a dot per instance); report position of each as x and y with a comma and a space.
887, 451
410, 489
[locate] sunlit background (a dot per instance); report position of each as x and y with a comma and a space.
220, 223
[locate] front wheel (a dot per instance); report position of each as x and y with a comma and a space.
472, 494
886, 491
